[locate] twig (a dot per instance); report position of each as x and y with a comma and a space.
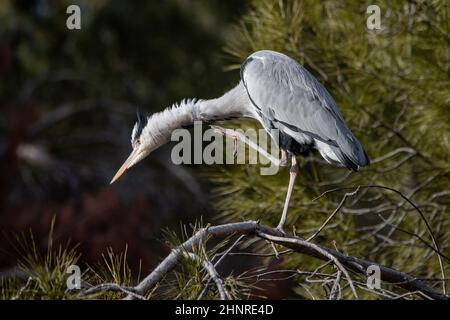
393, 153
348, 194
223, 255
227, 252
113, 287
22, 289
209, 267
335, 293
415, 235
252, 254
406, 199
314, 247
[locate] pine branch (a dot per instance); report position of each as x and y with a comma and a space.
253, 228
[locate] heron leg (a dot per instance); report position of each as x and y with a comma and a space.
292, 176
284, 158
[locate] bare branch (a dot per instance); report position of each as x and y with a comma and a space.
348, 194
113, 287
406, 199
336, 289
209, 267
253, 228
314, 247
222, 256
393, 153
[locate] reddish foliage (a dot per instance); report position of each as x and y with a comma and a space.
96, 221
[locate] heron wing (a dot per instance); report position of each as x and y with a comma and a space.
288, 97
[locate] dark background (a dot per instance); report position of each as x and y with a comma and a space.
68, 100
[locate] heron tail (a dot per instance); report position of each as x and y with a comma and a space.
353, 159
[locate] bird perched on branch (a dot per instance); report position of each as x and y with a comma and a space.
279, 93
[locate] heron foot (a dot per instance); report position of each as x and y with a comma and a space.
280, 229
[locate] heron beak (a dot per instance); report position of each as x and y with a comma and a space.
132, 159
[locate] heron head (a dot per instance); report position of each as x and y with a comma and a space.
150, 133
141, 146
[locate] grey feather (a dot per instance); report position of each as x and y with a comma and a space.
289, 98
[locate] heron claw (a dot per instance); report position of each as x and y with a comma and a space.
279, 228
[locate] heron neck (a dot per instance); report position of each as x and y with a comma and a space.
233, 104
160, 125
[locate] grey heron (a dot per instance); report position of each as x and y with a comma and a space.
279, 93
